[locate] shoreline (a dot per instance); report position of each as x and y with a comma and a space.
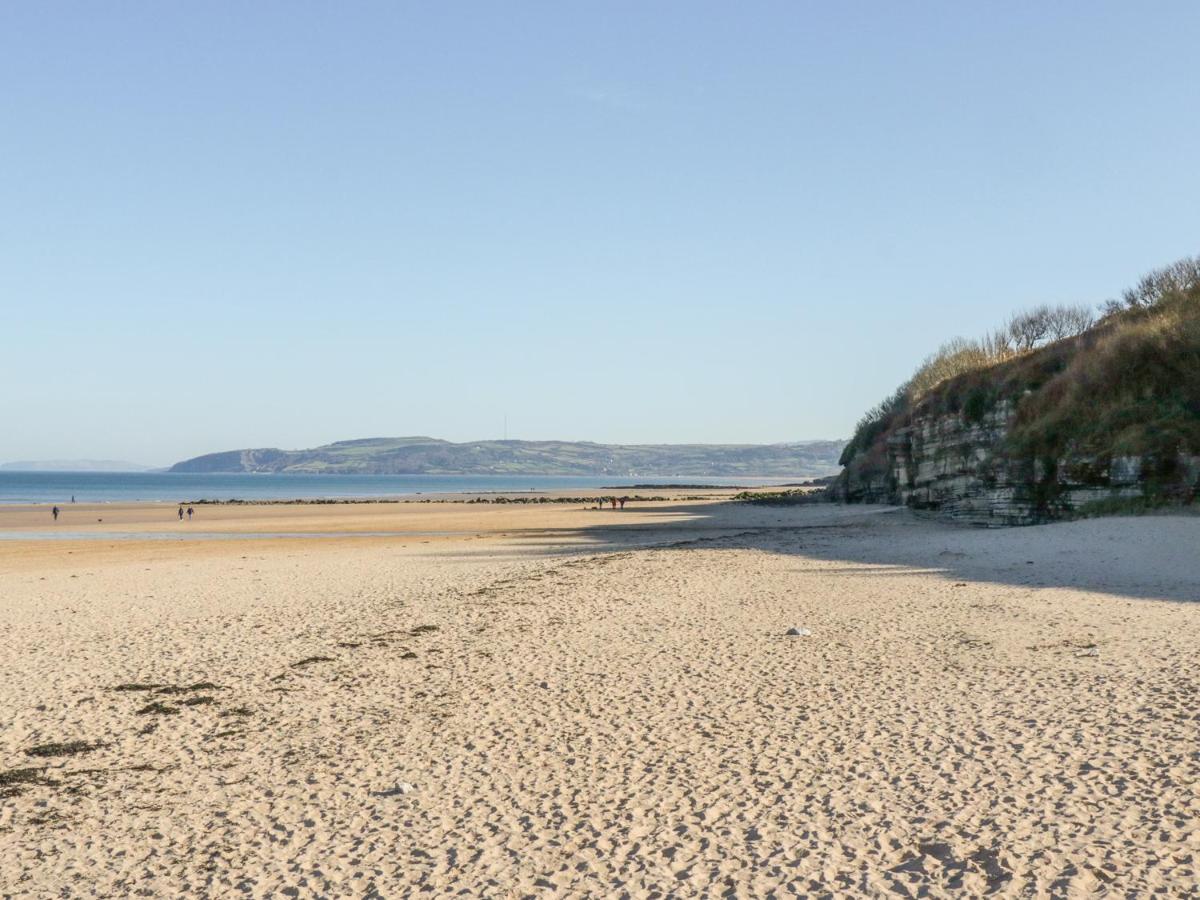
50, 489
127, 530
337, 514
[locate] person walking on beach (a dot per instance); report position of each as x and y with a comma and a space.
72, 498
181, 514
190, 511
54, 512
623, 499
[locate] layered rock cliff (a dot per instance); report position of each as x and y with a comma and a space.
1105, 421
966, 472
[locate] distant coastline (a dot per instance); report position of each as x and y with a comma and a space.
75, 465
431, 456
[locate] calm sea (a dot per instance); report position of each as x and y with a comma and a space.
112, 487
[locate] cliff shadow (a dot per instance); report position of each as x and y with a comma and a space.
1146, 557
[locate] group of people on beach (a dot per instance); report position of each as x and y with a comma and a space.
600, 501
191, 511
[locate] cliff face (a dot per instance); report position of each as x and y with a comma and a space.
1105, 420
233, 461
966, 471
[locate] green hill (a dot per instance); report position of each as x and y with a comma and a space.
429, 456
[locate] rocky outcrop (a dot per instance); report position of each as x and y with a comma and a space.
965, 470
1103, 420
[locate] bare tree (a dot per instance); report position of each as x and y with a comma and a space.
1068, 321
1029, 329
998, 345
1043, 324
953, 358
1180, 276
1024, 332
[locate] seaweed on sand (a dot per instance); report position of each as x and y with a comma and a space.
158, 709
190, 688
65, 748
14, 781
161, 688
310, 660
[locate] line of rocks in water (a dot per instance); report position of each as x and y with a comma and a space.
319, 501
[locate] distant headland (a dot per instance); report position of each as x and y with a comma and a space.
430, 456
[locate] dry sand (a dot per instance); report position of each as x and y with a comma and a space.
559, 702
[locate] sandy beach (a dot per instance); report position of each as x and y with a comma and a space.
547, 700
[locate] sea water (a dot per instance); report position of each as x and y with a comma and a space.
180, 487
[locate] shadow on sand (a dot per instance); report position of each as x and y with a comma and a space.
1147, 557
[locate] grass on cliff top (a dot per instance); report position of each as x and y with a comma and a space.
1133, 391
1130, 386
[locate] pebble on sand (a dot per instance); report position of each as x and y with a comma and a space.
401, 788
798, 632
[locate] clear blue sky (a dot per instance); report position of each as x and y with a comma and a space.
280, 224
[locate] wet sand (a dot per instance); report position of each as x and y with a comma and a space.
556, 701
418, 521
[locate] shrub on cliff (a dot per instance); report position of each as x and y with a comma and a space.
1023, 333
1132, 390
1160, 286
873, 423
1127, 385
